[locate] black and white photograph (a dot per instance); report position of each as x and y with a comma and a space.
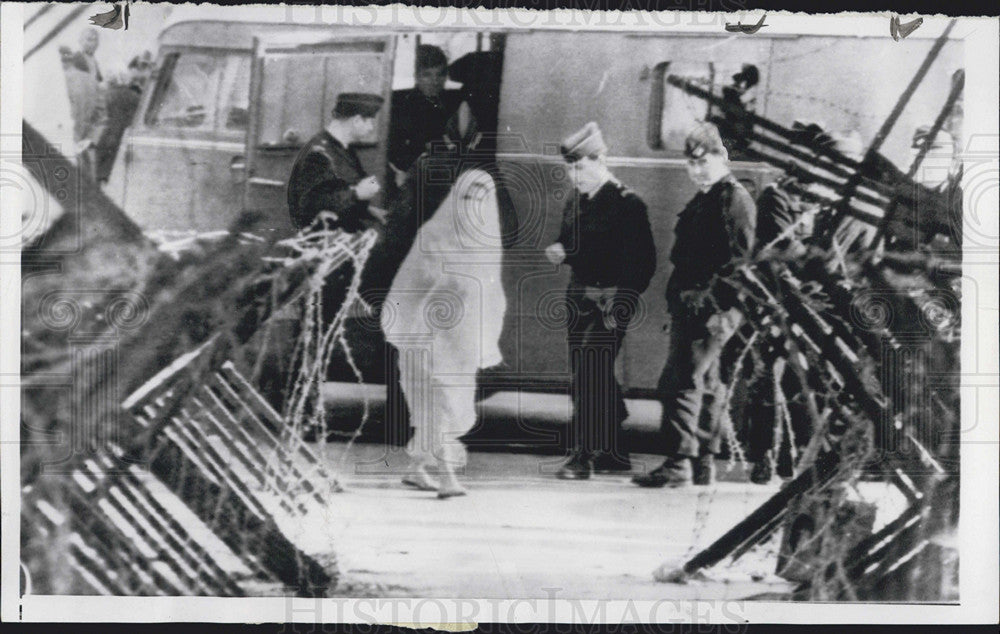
619, 316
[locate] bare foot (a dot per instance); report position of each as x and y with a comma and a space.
450, 492
422, 480
449, 483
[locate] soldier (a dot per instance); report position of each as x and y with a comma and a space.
606, 240
941, 174
420, 114
714, 229
781, 213
327, 175
84, 84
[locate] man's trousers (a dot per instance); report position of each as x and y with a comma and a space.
692, 358
598, 403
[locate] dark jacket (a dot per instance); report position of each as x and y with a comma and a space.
122, 102
321, 180
714, 228
776, 211
607, 239
415, 122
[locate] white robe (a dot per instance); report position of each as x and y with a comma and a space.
444, 313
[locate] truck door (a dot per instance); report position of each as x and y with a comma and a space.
294, 86
173, 171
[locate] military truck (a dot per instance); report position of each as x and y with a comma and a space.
239, 89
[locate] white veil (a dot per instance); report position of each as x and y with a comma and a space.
448, 287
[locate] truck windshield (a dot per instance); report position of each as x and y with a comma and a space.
200, 90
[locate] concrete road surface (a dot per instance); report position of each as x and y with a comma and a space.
521, 533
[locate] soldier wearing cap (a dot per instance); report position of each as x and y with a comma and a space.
327, 175
714, 229
606, 240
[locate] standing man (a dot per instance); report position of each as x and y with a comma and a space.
781, 213
420, 114
86, 99
940, 196
714, 229
327, 176
607, 242
122, 101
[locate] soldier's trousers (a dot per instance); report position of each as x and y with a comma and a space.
598, 403
692, 358
763, 433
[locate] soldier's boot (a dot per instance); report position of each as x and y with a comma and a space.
763, 470
578, 467
703, 469
674, 472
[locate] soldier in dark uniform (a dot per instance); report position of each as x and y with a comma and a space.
420, 114
327, 176
714, 229
781, 213
607, 241
938, 195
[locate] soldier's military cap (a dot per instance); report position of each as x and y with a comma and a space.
702, 140
587, 141
921, 135
357, 103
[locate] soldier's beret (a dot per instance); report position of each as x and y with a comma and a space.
921, 135
702, 140
357, 103
587, 141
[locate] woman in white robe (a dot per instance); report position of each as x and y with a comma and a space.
444, 313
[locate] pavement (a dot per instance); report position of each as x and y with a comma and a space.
521, 533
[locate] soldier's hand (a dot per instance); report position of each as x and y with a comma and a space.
378, 213
367, 188
399, 176
606, 296
555, 253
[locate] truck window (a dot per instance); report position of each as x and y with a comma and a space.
186, 92
235, 93
673, 112
203, 91
298, 92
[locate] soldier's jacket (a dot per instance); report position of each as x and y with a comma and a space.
417, 121
777, 210
608, 240
321, 180
714, 228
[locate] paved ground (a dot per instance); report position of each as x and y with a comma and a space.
520, 533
